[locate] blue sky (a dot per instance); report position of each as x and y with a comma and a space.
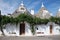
9, 6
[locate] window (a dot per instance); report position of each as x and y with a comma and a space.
37, 28
22, 8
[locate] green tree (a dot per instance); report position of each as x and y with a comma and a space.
44, 21
28, 18
55, 20
3, 22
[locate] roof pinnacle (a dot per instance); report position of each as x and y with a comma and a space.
42, 5
22, 3
59, 9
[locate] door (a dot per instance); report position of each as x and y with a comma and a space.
22, 28
51, 29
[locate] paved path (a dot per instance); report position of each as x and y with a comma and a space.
31, 38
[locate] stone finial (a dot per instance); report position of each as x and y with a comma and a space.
22, 3
59, 9
42, 5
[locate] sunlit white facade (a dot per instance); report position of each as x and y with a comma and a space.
24, 28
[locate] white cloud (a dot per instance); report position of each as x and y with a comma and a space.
6, 7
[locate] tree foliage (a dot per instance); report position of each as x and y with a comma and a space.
29, 18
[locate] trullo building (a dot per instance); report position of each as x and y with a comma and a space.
23, 29
43, 12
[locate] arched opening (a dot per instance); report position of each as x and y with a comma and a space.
22, 28
51, 27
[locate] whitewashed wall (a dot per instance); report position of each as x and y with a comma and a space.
46, 29
16, 29
28, 29
42, 28
11, 28
0, 33
56, 29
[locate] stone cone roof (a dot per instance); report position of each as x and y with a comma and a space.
43, 11
20, 10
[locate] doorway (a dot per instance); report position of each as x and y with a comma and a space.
22, 28
51, 27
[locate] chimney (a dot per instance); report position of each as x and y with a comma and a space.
32, 11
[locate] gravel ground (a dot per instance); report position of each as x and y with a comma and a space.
30, 38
